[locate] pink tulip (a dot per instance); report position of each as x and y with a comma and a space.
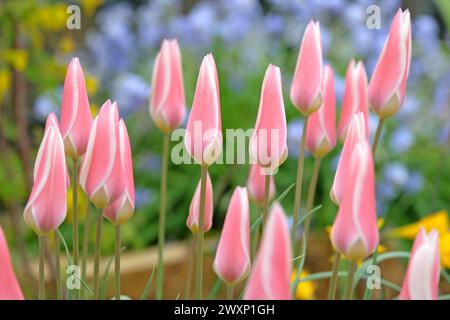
387, 86
232, 262
355, 98
9, 286
356, 133
355, 231
167, 104
121, 210
422, 276
76, 118
46, 208
268, 142
256, 184
101, 170
272, 270
203, 138
193, 220
321, 129
307, 82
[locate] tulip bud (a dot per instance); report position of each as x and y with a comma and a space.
387, 86
9, 286
321, 128
101, 170
256, 184
307, 82
167, 104
193, 220
76, 118
232, 262
422, 276
271, 272
355, 232
203, 137
268, 142
356, 133
121, 210
46, 208
355, 98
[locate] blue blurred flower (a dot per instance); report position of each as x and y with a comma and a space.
294, 133
131, 92
45, 104
415, 183
143, 197
396, 174
402, 139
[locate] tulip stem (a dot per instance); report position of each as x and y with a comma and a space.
334, 276
85, 253
256, 235
98, 240
348, 293
377, 136
41, 268
117, 262
75, 217
311, 194
266, 199
191, 255
57, 269
199, 260
298, 185
230, 292
162, 218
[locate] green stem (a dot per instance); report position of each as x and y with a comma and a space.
256, 236
266, 199
311, 194
41, 268
75, 216
98, 240
298, 185
348, 293
57, 269
117, 263
199, 260
85, 253
230, 292
162, 218
377, 136
188, 286
334, 276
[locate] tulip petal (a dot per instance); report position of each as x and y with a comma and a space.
193, 219
9, 286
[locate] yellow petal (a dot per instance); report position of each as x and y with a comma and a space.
5, 82
438, 220
444, 249
305, 290
82, 204
17, 58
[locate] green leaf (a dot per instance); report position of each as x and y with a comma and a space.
144, 295
302, 219
214, 289
284, 194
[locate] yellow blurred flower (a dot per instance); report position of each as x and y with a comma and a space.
305, 290
17, 58
91, 84
90, 6
438, 220
82, 203
5, 82
444, 248
94, 109
66, 45
52, 17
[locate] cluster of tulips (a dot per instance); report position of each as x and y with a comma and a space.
102, 147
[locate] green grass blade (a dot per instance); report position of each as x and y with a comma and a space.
144, 295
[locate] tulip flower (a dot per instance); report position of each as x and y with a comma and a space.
121, 210
255, 184
387, 87
268, 142
356, 133
101, 171
46, 208
321, 127
167, 103
76, 118
355, 232
232, 262
355, 98
9, 286
306, 85
422, 276
192, 221
271, 272
203, 138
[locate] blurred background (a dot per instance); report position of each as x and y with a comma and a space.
117, 44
